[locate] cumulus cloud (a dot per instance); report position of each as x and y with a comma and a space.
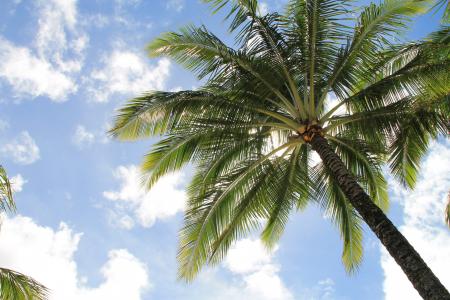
48, 66
423, 224
82, 137
48, 256
22, 149
163, 201
30, 75
17, 183
250, 260
127, 72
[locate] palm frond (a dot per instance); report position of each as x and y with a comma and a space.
375, 26
333, 201
17, 286
154, 113
365, 161
248, 214
239, 10
445, 5
290, 189
409, 146
6, 196
316, 27
202, 52
209, 211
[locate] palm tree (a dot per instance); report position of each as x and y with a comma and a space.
265, 108
15, 285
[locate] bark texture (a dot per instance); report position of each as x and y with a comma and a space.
417, 271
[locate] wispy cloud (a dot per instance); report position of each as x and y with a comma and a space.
22, 149
176, 5
83, 138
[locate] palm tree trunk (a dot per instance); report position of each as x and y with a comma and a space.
417, 271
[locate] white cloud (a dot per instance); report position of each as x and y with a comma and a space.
126, 222
17, 183
96, 20
163, 201
176, 5
118, 283
31, 75
58, 36
49, 66
56, 16
127, 72
247, 256
124, 18
253, 263
22, 150
331, 101
123, 3
326, 288
82, 137
423, 210
314, 159
48, 256
176, 89
263, 8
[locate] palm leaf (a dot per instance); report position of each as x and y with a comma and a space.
288, 190
374, 25
338, 209
17, 286
6, 196
204, 220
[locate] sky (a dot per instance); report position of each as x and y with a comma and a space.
87, 230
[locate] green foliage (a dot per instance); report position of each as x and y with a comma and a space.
338, 209
446, 6
14, 285
6, 197
242, 130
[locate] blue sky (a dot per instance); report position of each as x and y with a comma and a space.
87, 230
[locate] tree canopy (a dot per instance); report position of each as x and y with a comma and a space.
315, 69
